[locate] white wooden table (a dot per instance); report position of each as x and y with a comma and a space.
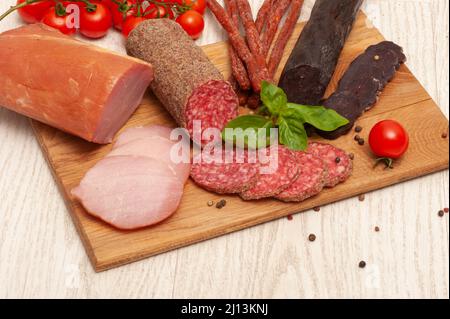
42, 256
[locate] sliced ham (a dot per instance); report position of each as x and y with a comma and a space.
130, 192
158, 148
74, 86
134, 133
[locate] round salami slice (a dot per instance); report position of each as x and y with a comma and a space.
310, 180
213, 105
338, 164
276, 175
227, 173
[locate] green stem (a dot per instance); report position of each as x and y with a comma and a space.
14, 8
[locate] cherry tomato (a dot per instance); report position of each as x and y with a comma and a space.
130, 23
52, 19
388, 139
121, 12
154, 11
197, 5
95, 24
34, 12
192, 22
107, 3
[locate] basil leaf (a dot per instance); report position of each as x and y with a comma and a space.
319, 116
251, 130
273, 98
292, 132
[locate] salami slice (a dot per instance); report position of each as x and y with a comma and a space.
189, 86
218, 175
337, 162
310, 181
275, 176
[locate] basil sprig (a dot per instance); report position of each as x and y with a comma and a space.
288, 117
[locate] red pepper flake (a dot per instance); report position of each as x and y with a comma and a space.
446, 210
441, 213
316, 209
362, 264
289, 217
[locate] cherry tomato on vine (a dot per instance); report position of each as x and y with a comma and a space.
121, 12
192, 22
34, 12
130, 23
95, 24
107, 3
156, 11
59, 22
197, 5
388, 140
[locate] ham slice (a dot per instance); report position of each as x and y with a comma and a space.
158, 148
74, 86
134, 133
130, 192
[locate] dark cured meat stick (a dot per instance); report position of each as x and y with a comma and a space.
283, 37
273, 20
237, 66
238, 43
254, 43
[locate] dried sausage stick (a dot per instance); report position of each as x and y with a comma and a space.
273, 20
283, 37
238, 43
262, 14
237, 66
253, 40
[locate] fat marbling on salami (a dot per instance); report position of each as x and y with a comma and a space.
189, 86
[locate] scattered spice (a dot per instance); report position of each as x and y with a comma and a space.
444, 135
441, 213
446, 210
316, 209
376, 57
358, 129
289, 217
220, 204
361, 141
210, 203
351, 156
362, 264
377, 229
312, 237
362, 197
357, 137
337, 160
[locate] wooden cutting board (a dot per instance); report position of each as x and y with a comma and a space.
404, 99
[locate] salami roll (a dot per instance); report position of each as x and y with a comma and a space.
361, 84
189, 86
337, 162
222, 176
275, 176
310, 181
313, 60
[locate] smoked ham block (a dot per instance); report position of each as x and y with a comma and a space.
74, 86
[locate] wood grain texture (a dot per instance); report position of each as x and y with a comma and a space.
42, 256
